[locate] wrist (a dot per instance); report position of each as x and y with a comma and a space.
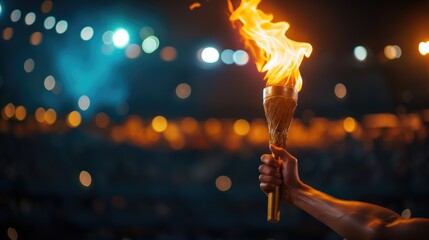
295, 193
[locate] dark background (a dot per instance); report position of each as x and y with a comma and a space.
156, 191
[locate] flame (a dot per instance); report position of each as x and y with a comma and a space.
194, 5
274, 53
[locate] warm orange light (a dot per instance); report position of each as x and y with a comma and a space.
189, 125
20, 113
36, 38
40, 114
74, 119
223, 183
349, 124
50, 116
274, 53
194, 5
85, 178
102, 120
9, 110
241, 127
424, 48
159, 123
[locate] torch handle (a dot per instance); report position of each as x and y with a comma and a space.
273, 213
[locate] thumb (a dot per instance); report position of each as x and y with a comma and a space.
281, 152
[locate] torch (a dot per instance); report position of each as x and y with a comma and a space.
280, 58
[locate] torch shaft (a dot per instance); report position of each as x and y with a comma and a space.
273, 211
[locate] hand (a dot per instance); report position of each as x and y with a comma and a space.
287, 178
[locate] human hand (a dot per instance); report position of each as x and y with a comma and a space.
287, 178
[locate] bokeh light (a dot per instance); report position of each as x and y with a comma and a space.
159, 123
39, 114
50, 116
20, 113
360, 53
146, 32
46, 6
392, 52
168, 54
36, 38
241, 127
102, 120
29, 65
340, 90
133, 51
424, 48
223, 183
15, 15
74, 119
86, 33
9, 110
189, 125
30, 18
7, 33
84, 102
49, 22
0, 9
107, 37
85, 178
240, 57
210, 55
213, 127
61, 26
120, 38
226, 56
150, 44
349, 124
183, 91
49, 83
12, 234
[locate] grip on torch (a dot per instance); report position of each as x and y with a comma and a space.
279, 106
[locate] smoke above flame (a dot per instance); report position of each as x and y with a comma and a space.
274, 53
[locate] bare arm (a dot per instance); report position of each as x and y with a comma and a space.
350, 219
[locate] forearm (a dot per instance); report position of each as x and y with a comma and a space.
350, 219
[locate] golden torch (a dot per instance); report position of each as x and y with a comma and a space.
280, 58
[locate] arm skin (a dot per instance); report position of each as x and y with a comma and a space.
350, 219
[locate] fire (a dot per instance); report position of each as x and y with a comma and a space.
274, 53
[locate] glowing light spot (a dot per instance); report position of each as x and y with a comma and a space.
223, 183
9, 110
241, 127
189, 125
20, 113
29, 65
49, 23
194, 5
340, 90
146, 32
61, 26
49, 83
150, 44
36, 38
183, 91
349, 124
424, 48
168, 54
30, 18
7, 33
46, 6
102, 120
213, 127
85, 178
12, 233
360, 53
40, 114
15, 15
0, 9
210, 55
133, 51
86, 33
120, 38
159, 123
392, 52
50, 116
74, 119
406, 214
84, 102
240, 57
226, 56
107, 37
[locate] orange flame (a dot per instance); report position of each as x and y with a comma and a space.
275, 54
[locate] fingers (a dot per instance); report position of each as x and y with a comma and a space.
267, 170
267, 187
269, 160
270, 179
